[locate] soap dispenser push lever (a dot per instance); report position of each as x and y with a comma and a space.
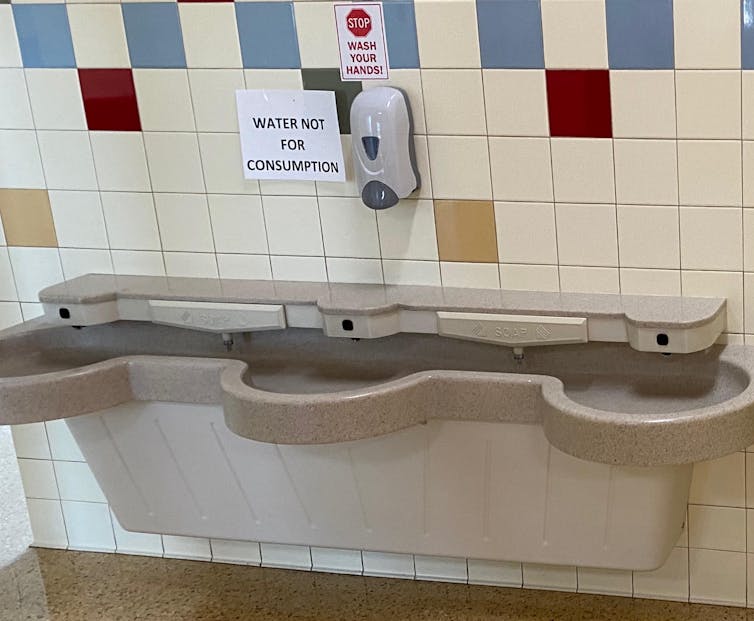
383, 148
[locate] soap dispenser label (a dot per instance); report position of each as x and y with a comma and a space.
361, 38
290, 135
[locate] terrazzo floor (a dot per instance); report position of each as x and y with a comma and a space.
53, 584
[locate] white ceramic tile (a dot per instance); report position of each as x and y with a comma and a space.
47, 525
410, 82
574, 34
749, 524
285, 79
605, 581
583, 170
717, 528
521, 169
749, 307
80, 261
747, 95
305, 238
244, 266
707, 34
38, 478
131, 220
288, 556
347, 188
164, 99
460, 167
184, 222
748, 173
138, 262
708, 104
210, 35
711, 238
407, 231
31, 310
10, 54
538, 245
192, 548
140, 544
67, 160
317, 39
497, 573
238, 224
174, 162
15, 111
78, 219
454, 101
516, 102
643, 104
299, 268
717, 577
646, 172
549, 577
475, 275
22, 165
221, 161
89, 526
288, 188
719, 482
10, 314
586, 234
35, 269
237, 552
99, 37
213, 92
648, 236
721, 284
120, 161
62, 443
354, 270
337, 561
447, 34
589, 279
401, 272
349, 228
709, 172
30, 441
76, 482
7, 280
388, 564
529, 277
441, 568
671, 581
635, 281
749, 486
191, 264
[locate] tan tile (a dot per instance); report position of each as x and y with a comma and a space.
466, 231
27, 218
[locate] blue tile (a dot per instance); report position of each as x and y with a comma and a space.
44, 35
640, 34
747, 34
400, 32
155, 39
268, 35
510, 34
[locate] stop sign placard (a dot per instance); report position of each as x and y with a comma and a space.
359, 23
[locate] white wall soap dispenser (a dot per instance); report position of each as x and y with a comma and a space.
383, 147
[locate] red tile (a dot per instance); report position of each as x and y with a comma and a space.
578, 103
110, 100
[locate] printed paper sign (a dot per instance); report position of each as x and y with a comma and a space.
361, 38
290, 135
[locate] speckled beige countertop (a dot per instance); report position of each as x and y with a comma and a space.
51, 585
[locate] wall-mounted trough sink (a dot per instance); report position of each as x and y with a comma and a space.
399, 439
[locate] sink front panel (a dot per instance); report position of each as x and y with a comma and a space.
466, 489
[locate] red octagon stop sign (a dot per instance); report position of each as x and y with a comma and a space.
359, 23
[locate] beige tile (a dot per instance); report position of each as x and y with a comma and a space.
583, 170
575, 35
643, 104
646, 172
717, 528
476, 275
466, 231
709, 172
671, 581
718, 284
521, 169
707, 34
648, 236
717, 577
708, 104
586, 235
529, 277
719, 482
589, 279
605, 581
650, 282
539, 245
27, 218
747, 96
460, 167
454, 101
447, 34
516, 102
711, 238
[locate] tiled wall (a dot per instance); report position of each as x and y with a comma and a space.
574, 145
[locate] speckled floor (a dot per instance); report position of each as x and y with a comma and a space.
51, 584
